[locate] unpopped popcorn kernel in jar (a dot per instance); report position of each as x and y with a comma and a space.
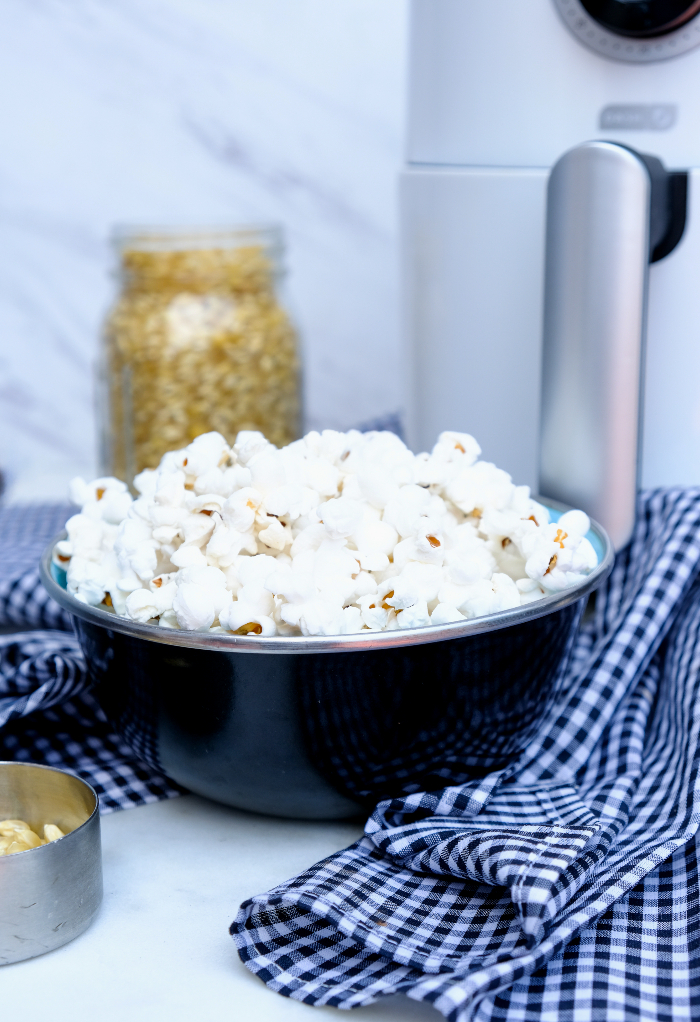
197, 342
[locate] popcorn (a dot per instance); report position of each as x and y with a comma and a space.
415, 616
17, 836
143, 604
489, 596
479, 486
445, 614
274, 536
416, 582
201, 597
250, 613
373, 611
334, 534
529, 590
556, 557
206, 452
239, 509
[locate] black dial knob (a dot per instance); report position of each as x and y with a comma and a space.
641, 18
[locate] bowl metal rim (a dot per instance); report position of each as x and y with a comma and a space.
55, 770
358, 641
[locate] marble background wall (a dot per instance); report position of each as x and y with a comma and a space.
193, 111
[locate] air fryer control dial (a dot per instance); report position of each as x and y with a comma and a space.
634, 30
642, 19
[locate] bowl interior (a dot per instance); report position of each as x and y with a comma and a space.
40, 795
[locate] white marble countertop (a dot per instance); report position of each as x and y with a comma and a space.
174, 874
194, 113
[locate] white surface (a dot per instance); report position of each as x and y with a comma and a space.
505, 83
175, 873
193, 111
474, 270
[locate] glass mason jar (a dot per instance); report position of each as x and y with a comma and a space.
196, 341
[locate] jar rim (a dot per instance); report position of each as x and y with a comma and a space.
182, 238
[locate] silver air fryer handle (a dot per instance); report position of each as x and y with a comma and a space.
598, 222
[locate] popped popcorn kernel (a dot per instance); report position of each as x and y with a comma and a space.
334, 534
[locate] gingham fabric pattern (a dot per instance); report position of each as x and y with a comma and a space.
564, 887
47, 713
25, 531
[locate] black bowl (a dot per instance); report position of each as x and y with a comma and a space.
324, 727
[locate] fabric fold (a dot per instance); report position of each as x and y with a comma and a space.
26, 531
528, 840
47, 712
457, 896
38, 670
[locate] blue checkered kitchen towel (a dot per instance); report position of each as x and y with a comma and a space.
47, 714
563, 888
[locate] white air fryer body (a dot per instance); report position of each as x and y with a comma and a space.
499, 90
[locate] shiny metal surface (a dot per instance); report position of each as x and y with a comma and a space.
625, 48
594, 318
301, 644
327, 734
50, 894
